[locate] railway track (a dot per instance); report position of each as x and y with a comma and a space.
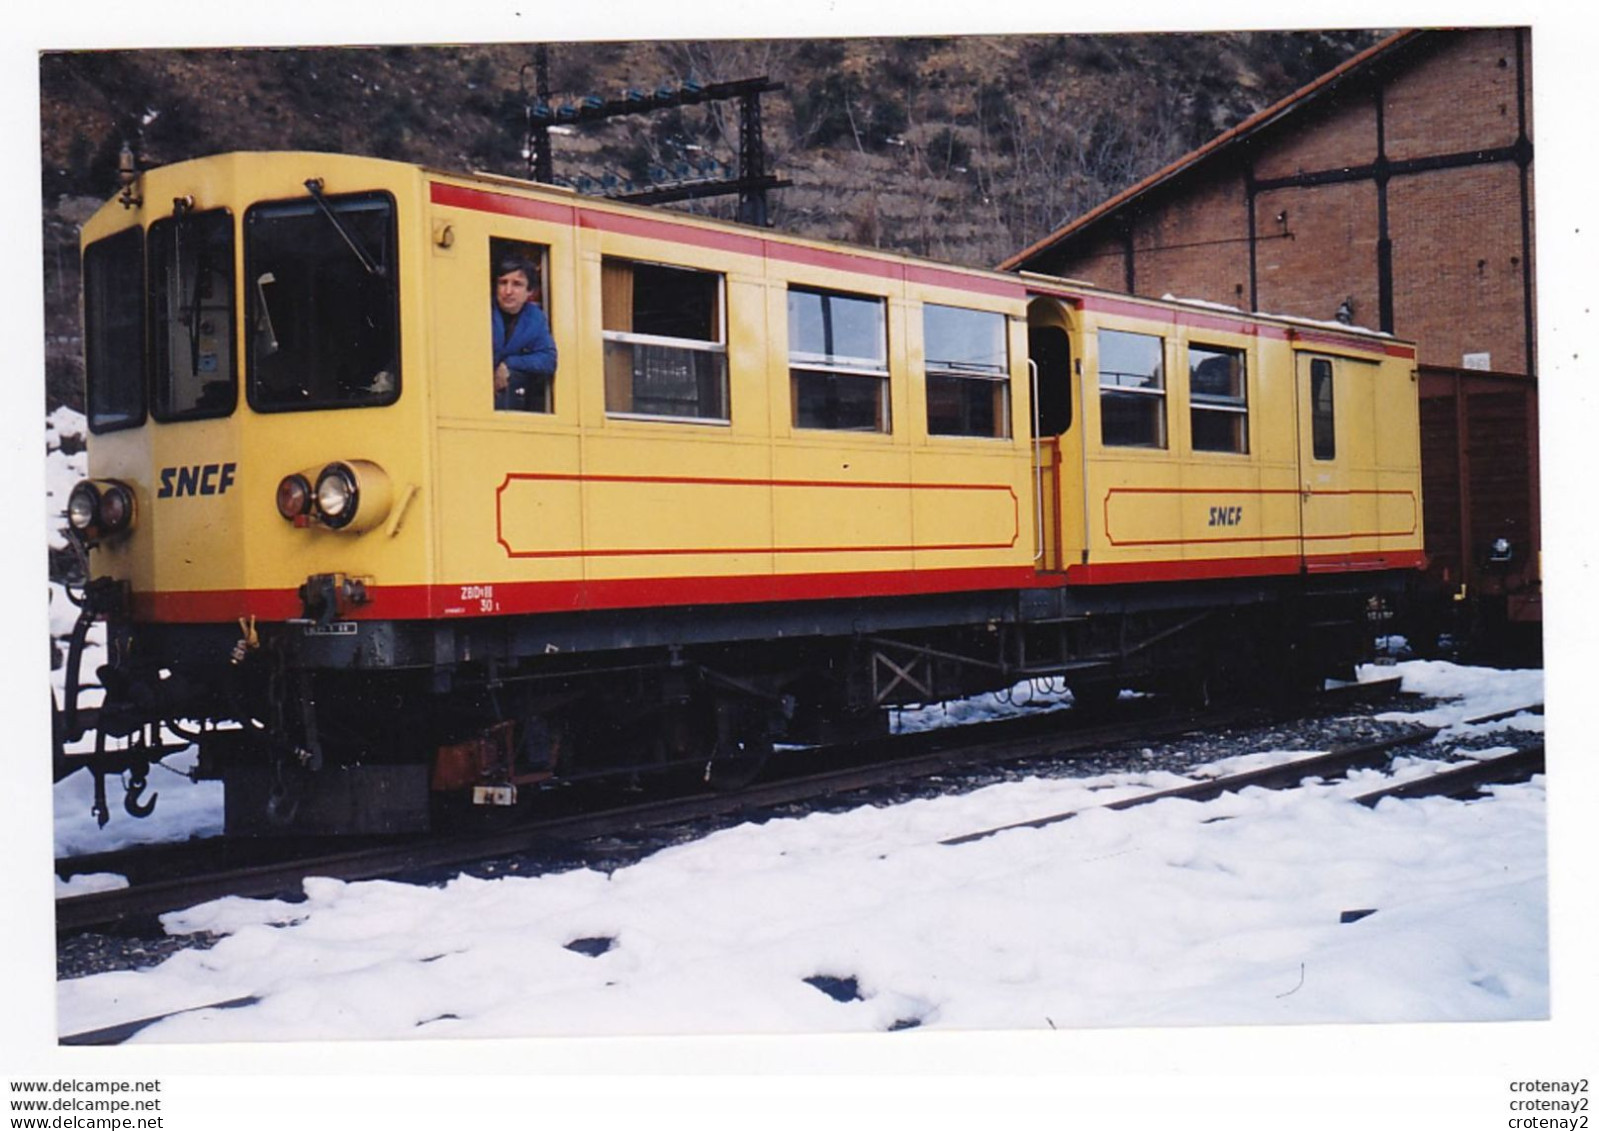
1450, 781
175, 876
1457, 781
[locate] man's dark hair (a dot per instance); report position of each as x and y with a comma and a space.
510, 263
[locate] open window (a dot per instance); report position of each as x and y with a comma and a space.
968, 372
838, 360
665, 341
521, 338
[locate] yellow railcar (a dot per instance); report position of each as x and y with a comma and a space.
408, 485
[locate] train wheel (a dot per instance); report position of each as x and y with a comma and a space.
736, 763
739, 744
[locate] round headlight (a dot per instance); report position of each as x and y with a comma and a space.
294, 496
336, 497
116, 508
83, 506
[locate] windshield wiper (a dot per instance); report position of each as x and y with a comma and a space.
200, 265
314, 187
264, 324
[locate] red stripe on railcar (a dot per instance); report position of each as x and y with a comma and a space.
1129, 573
1364, 561
420, 602
739, 243
502, 204
1220, 321
1330, 338
624, 225
1362, 492
718, 481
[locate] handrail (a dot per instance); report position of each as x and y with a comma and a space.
1038, 466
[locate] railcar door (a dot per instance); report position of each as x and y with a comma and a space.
1334, 459
1057, 441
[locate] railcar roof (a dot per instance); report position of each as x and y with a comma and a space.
1022, 282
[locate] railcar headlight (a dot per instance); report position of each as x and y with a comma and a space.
338, 496
294, 497
116, 508
82, 506
96, 509
349, 495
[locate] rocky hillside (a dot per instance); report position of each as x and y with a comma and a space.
963, 149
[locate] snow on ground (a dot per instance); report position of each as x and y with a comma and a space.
66, 462
1176, 913
183, 809
1031, 697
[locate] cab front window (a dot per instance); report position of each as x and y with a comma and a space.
323, 303
113, 326
191, 316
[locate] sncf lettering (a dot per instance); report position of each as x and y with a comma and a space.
1226, 516
196, 479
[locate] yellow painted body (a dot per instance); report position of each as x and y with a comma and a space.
494, 512
1162, 513
233, 547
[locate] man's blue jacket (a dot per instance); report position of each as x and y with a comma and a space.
528, 353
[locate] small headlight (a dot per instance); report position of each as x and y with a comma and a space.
336, 497
83, 506
294, 496
116, 508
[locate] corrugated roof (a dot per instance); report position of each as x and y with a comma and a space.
1247, 128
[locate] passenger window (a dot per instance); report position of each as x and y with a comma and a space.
838, 360
1322, 438
665, 341
968, 372
524, 354
1218, 399
1132, 390
191, 316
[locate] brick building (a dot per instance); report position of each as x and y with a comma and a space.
1394, 192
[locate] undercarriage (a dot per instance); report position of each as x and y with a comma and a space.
385, 726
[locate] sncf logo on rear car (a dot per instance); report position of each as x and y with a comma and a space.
196, 479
